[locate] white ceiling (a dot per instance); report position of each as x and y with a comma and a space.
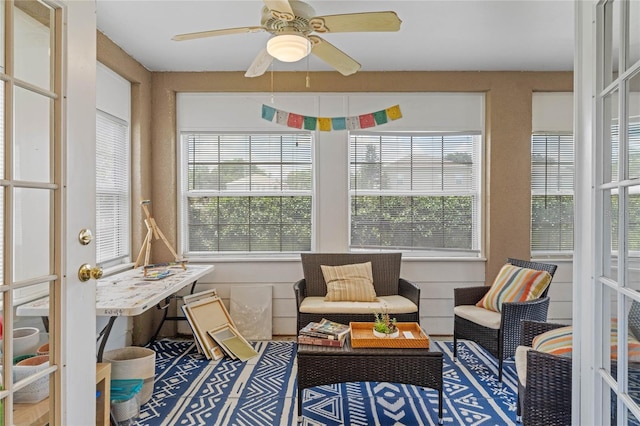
435, 35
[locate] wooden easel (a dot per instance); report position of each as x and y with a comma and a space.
153, 231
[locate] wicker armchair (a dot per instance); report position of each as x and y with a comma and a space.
545, 400
501, 342
386, 280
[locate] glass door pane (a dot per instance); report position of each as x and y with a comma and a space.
611, 38
33, 42
28, 150
32, 143
633, 131
634, 34
31, 255
610, 235
609, 331
611, 137
2, 36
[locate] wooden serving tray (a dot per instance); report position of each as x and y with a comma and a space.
362, 336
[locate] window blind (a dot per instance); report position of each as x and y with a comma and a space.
112, 189
415, 192
247, 192
552, 192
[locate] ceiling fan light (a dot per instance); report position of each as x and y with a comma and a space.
289, 47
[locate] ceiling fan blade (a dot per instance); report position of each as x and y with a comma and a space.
280, 9
356, 22
259, 64
212, 33
333, 56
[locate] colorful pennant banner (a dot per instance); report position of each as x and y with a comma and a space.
326, 124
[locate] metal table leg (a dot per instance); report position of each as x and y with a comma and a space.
164, 307
104, 335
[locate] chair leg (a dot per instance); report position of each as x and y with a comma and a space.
500, 370
455, 347
520, 407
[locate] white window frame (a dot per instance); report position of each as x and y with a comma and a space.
474, 190
113, 98
120, 162
242, 191
554, 191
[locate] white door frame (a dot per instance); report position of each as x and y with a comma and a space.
77, 305
585, 405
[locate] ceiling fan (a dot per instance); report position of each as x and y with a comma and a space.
292, 21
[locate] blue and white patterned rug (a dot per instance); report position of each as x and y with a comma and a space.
189, 390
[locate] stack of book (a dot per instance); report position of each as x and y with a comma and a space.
323, 333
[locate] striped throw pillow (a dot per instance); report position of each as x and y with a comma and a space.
555, 342
514, 284
558, 342
349, 283
634, 344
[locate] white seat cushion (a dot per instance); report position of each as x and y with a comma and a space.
392, 304
521, 363
484, 317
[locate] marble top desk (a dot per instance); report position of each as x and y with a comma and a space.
128, 294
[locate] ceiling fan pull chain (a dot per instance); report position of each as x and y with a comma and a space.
308, 80
272, 99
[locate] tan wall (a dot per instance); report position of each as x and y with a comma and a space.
507, 154
121, 63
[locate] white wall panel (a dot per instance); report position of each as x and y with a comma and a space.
425, 111
113, 93
552, 112
214, 111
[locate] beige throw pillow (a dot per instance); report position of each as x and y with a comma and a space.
349, 283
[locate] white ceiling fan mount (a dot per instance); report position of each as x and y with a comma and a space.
292, 23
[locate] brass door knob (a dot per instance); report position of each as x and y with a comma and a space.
86, 272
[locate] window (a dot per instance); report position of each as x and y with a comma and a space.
415, 192
112, 190
246, 192
552, 193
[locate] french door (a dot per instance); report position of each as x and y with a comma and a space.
617, 200
47, 197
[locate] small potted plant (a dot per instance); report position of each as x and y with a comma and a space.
385, 326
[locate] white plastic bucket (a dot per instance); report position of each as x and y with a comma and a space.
134, 362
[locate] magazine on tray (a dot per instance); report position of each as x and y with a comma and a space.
331, 328
308, 340
308, 330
